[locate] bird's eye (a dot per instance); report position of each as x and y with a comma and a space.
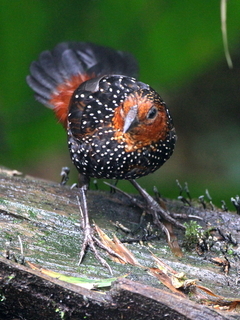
152, 113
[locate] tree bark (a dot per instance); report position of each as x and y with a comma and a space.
43, 218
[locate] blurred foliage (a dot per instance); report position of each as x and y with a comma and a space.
174, 41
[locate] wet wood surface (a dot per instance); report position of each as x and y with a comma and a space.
43, 218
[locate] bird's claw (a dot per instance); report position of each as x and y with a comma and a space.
152, 207
89, 239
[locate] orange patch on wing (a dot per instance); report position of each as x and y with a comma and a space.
62, 96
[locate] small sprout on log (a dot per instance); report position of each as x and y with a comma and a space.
202, 201
224, 206
65, 175
180, 187
184, 200
236, 202
187, 191
209, 198
208, 195
156, 192
95, 183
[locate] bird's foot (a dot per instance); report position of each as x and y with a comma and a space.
89, 238
161, 216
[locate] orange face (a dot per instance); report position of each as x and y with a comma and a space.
148, 125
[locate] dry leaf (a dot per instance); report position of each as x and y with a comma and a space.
117, 246
166, 280
162, 265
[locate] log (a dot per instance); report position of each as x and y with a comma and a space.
43, 218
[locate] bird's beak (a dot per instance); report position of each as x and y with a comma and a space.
130, 118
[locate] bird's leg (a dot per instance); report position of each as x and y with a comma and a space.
86, 227
152, 207
89, 239
155, 209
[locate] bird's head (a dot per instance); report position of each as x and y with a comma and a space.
142, 119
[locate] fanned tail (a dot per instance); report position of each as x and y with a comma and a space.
58, 73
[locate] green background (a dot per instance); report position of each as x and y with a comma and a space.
179, 48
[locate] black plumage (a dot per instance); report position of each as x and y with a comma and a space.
117, 126
76, 58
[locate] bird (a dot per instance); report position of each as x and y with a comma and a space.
117, 126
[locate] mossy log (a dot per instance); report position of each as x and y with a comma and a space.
40, 220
